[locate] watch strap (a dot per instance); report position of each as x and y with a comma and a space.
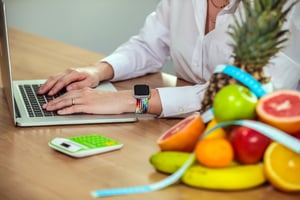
142, 105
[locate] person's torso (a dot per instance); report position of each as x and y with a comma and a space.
194, 53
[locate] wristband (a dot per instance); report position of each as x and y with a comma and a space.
141, 106
142, 95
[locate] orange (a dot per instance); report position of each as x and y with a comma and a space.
280, 109
218, 133
282, 167
183, 136
216, 152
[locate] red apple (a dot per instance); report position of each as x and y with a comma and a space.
297, 135
249, 145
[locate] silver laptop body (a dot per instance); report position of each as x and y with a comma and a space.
13, 90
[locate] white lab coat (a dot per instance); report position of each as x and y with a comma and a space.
176, 30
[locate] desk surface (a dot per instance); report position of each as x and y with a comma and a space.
29, 169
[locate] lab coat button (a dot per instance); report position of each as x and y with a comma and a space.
180, 109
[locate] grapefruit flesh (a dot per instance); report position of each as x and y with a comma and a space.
281, 109
183, 136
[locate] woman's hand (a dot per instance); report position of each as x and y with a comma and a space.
92, 101
73, 79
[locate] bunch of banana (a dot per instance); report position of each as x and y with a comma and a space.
233, 177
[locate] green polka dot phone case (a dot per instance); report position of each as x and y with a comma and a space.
84, 145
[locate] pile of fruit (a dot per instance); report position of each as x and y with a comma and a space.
236, 157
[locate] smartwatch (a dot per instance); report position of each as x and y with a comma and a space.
142, 95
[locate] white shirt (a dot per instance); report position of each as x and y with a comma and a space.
176, 30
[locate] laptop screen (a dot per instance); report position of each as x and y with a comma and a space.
5, 65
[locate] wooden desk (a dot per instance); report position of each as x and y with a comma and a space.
29, 169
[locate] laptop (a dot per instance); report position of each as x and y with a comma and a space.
23, 101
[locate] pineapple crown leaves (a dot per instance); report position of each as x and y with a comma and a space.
258, 35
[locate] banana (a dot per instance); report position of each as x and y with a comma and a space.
168, 161
234, 177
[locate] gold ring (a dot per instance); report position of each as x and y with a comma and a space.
73, 101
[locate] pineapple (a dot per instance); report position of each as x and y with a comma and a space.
257, 37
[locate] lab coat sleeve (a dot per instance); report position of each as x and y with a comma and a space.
180, 101
284, 72
146, 52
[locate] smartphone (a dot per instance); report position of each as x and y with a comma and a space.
85, 145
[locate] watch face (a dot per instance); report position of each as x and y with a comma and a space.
141, 90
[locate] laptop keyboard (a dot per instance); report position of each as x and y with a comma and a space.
34, 102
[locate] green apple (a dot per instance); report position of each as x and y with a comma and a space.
234, 102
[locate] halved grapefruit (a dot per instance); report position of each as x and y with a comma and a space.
281, 109
183, 136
